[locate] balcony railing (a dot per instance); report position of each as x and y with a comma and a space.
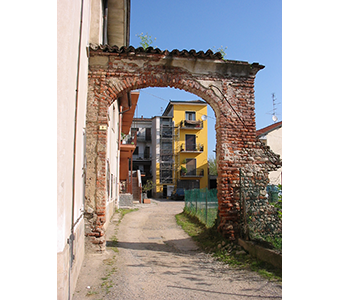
190, 124
129, 140
192, 148
143, 138
142, 156
192, 173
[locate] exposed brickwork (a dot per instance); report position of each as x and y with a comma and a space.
112, 74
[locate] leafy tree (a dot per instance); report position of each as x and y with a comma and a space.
212, 165
148, 186
145, 40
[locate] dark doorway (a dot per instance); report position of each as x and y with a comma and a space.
165, 191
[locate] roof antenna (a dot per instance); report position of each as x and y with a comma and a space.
274, 117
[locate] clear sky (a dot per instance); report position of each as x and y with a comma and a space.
250, 29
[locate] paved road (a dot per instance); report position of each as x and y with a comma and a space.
156, 259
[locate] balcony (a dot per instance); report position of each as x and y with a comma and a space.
127, 139
143, 138
190, 124
192, 173
142, 156
190, 148
127, 146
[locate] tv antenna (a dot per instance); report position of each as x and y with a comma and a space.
274, 117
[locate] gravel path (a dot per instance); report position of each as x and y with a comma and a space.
156, 259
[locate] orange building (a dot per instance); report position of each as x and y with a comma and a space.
127, 144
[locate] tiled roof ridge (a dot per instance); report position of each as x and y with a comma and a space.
143, 119
268, 128
188, 101
150, 50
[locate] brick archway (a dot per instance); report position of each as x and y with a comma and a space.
227, 86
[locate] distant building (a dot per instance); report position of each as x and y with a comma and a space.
163, 156
272, 137
127, 143
180, 147
142, 156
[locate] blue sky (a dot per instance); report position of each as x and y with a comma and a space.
250, 29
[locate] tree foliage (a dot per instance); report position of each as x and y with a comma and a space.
212, 165
148, 186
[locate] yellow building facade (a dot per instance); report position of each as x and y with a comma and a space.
188, 166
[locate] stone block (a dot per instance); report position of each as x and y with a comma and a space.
126, 200
261, 253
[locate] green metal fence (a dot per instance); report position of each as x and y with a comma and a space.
203, 204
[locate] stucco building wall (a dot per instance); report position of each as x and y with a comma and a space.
67, 54
74, 36
113, 158
201, 139
274, 141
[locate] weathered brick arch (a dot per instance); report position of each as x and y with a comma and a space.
227, 86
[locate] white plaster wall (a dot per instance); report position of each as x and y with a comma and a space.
274, 141
96, 27
113, 156
67, 55
68, 17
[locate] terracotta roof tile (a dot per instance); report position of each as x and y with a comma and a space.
268, 128
150, 50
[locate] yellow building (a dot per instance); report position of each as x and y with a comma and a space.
186, 164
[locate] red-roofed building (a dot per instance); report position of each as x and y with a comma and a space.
272, 137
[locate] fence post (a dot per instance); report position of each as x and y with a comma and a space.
196, 205
206, 206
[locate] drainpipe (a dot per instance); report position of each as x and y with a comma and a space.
71, 238
106, 12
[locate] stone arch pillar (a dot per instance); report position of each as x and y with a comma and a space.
228, 86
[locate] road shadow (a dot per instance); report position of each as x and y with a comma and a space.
171, 246
226, 293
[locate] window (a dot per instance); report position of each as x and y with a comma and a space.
111, 192
190, 116
108, 189
148, 134
147, 152
190, 142
136, 152
191, 166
